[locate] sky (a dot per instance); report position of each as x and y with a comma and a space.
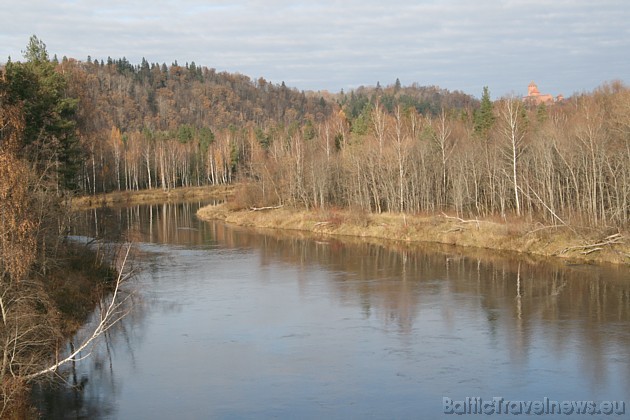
565, 46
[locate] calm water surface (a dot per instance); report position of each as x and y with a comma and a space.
235, 323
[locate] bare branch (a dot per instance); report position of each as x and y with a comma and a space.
462, 220
108, 319
587, 249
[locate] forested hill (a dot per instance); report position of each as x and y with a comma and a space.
129, 118
158, 97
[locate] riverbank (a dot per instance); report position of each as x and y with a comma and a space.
71, 289
153, 196
511, 235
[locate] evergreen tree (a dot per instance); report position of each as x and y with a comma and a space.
48, 138
484, 117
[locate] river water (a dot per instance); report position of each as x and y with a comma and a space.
228, 322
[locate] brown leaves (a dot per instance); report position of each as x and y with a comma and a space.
17, 224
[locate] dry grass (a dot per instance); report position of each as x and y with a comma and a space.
514, 235
510, 234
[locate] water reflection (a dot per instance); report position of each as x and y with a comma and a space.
519, 296
168, 223
299, 325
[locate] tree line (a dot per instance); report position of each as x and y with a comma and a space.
394, 148
561, 164
157, 126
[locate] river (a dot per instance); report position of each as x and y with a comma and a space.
228, 322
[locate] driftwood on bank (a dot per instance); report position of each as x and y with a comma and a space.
321, 224
459, 219
587, 249
457, 229
265, 208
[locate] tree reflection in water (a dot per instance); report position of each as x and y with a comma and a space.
423, 294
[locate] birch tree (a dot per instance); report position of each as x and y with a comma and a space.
512, 131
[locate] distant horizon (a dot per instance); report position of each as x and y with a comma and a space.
567, 47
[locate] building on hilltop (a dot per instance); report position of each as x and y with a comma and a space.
536, 98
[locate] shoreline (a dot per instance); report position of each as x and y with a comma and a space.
512, 236
517, 236
153, 196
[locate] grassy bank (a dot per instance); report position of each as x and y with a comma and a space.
509, 235
153, 196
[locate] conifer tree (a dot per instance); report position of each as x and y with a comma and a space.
484, 117
49, 137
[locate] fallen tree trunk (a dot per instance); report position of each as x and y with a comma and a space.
265, 208
587, 249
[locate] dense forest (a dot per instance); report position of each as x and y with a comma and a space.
152, 125
121, 126
394, 148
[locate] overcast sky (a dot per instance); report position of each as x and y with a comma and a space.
566, 46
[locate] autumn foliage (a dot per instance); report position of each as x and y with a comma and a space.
33, 220
407, 149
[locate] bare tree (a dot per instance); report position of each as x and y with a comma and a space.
442, 139
110, 314
378, 117
512, 131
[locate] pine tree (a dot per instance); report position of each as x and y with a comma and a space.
484, 117
49, 136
